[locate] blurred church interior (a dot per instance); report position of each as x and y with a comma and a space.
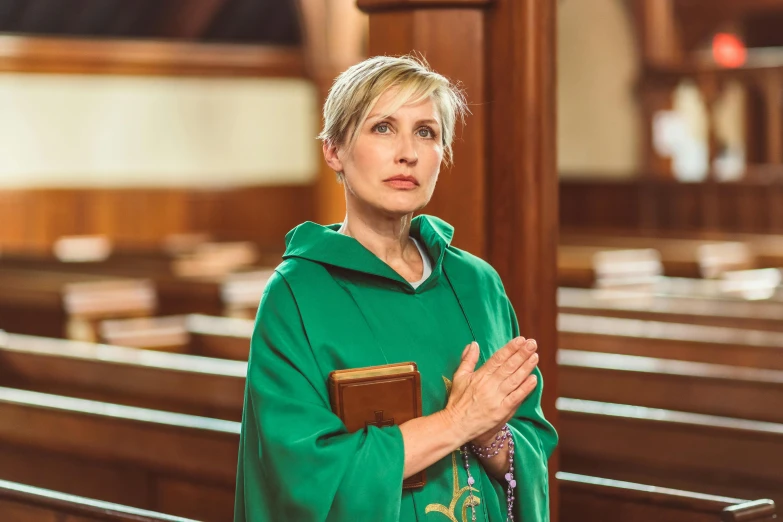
622, 169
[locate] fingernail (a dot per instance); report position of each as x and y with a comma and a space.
531, 345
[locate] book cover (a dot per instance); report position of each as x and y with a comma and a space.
379, 396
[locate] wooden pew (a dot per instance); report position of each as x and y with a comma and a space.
61, 304
729, 391
212, 295
195, 334
648, 306
22, 503
680, 257
588, 267
165, 462
218, 279
591, 499
712, 344
143, 378
716, 455
96, 255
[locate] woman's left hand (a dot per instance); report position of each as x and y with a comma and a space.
487, 438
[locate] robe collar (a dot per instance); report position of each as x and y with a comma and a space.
324, 245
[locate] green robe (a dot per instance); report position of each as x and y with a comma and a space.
332, 304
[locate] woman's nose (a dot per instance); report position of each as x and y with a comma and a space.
406, 151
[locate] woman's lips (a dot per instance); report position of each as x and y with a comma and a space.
402, 182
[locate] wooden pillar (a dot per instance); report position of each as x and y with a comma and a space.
659, 44
502, 193
711, 89
452, 41
660, 41
653, 97
334, 39
773, 98
522, 188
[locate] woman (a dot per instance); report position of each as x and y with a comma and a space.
384, 287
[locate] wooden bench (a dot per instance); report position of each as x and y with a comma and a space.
591, 499
648, 306
22, 503
218, 279
96, 255
748, 393
712, 344
587, 266
195, 334
680, 257
165, 462
716, 455
130, 376
61, 304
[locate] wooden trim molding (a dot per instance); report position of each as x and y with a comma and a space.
375, 6
154, 58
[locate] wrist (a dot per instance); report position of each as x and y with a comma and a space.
486, 439
449, 427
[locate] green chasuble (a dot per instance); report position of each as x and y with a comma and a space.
332, 304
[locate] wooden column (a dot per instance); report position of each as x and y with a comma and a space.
522, 179
660, 45
653, 97
660, 41
711, 89
334, 39
502, 193
773, 97
452, 41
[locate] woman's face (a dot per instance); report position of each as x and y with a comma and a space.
394, 164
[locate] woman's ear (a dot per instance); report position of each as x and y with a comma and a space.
331, 157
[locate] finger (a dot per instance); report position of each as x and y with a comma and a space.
515, 398
513, 363
500, 357
513, 381
469, 360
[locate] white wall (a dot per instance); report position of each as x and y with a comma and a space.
598, 119
115, 131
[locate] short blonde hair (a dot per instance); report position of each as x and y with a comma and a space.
356, 91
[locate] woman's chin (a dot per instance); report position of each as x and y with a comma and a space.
402, 207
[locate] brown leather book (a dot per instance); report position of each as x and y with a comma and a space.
378, 396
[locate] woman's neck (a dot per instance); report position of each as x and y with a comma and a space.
386, 237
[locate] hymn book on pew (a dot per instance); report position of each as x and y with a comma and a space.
378, 396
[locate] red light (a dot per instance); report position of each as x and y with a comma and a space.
728, 50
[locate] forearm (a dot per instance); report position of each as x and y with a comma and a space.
427, 440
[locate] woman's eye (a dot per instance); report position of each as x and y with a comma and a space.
424, 132
382, 128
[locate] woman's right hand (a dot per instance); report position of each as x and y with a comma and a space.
483, 399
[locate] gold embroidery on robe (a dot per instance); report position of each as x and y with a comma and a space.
471, 500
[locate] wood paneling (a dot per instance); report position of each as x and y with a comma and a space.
158, 58
31, 220
661, 206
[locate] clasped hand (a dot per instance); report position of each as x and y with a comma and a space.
483, 400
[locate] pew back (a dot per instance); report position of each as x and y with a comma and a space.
592, 499
22, 503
